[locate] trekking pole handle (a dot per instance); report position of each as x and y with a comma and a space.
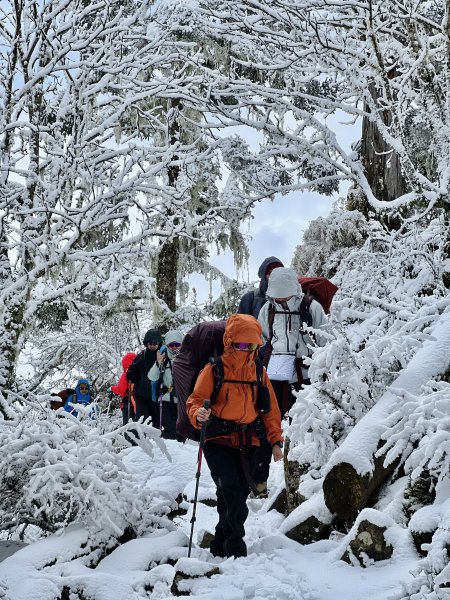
206, 405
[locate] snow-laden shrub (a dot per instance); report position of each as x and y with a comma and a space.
431, 577
390, 294
419, 431
56, 469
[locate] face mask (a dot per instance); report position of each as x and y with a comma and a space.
288, 305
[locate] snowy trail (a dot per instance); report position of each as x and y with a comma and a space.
276, 568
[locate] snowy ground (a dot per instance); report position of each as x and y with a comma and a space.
276, 567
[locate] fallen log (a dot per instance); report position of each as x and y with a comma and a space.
367, 541
309, 522
293, 472
354, 473
346, 492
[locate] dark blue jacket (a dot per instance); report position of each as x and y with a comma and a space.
252, 302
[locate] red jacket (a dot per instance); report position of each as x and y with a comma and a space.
121, 389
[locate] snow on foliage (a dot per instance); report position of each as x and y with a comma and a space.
57, 469
328, 241
390, 294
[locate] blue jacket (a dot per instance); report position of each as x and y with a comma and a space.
79, 398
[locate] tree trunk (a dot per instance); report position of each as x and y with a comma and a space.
381, 163
166, 276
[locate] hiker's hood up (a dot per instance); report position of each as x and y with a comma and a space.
242, 328
283, 283
172, 336
152, 334
127, 360
270, 260
83, 398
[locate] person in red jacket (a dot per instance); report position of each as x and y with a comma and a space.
123, 390
234, 415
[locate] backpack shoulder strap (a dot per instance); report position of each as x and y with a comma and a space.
218, 375
259, 370
268, 346
257, 296
304, 310
166, 364
271, 317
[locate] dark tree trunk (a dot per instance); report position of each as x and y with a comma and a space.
381, 163
382, 167
166, 276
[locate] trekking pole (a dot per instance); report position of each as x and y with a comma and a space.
206, 405
160, 412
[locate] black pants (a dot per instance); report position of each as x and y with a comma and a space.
285, 395
145, 407
285, 398
169, 420
127, 411
225, 464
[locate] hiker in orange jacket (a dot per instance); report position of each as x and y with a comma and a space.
123, 390
232, 442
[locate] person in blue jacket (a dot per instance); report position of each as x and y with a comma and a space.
82, 396
252, 302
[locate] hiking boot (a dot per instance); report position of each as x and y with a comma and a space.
261, 490
216, 548
236, 548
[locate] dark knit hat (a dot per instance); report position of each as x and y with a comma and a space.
152, 335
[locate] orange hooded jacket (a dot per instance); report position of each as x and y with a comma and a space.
235, 401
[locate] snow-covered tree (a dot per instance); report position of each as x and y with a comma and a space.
84, 196
301, 67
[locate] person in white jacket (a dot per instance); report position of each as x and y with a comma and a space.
285, 321
161, 373
288, 333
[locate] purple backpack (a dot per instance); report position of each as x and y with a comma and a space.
200, 344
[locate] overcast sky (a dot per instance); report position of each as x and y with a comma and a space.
277, 226
276, 229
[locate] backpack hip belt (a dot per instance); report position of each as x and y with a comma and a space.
218, 427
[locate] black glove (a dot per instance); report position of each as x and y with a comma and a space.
111, 395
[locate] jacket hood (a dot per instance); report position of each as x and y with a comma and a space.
270, 260
173, 336
283, 282
152, 334
265, 263
80, 381
78, 394
127, 360
242, 328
